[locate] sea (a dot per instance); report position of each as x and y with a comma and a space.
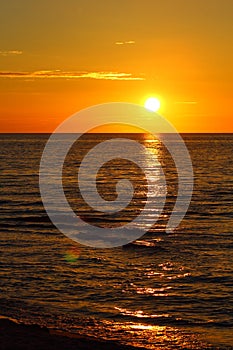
165, 290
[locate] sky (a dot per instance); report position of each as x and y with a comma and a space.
58, 57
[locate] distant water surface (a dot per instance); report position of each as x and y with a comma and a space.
168, 291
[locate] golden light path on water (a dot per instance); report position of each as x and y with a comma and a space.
142, 334
153, 337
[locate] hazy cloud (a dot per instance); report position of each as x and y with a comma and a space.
53, 74
130, 42
10, 53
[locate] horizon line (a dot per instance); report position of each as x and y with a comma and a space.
115, 132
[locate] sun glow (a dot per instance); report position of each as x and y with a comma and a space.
152, 104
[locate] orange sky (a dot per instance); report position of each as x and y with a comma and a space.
58, 57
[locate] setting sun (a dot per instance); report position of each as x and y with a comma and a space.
152, 104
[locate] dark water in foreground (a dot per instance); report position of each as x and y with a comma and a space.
168, 291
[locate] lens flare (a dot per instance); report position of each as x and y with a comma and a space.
72, 255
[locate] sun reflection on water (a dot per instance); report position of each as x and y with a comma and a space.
154, 337
139, 313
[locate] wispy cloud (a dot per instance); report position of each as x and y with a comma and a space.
130, 42
58, 74
10, 53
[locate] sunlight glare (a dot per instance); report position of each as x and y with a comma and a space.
152, 104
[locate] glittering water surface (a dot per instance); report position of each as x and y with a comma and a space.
165, 291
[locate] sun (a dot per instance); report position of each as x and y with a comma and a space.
152, 104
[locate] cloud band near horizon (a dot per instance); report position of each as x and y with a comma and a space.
58, 74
